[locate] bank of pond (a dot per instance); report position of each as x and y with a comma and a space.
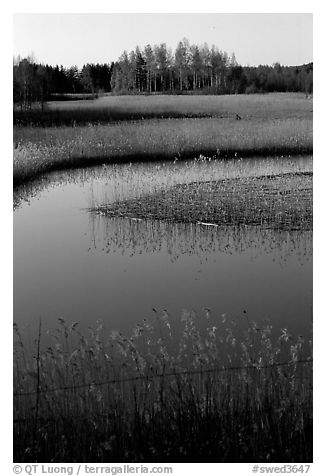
139, 128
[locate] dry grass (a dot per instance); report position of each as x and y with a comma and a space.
122, 108
161, 127
41, 149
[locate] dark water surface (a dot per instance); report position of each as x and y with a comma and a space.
72, 264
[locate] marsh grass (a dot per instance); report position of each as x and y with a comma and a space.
76, 133
219, 390
282, 202
37, 150
126, 108
124, 181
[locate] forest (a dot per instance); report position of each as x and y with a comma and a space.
190, 69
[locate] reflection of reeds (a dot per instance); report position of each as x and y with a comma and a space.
133, 236
116, 182
164, 395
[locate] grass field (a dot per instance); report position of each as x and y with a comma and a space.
219, 390
121, 108
270, 125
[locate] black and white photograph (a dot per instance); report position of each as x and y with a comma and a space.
162, 241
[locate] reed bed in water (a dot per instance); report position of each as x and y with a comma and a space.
219, 390
277, 201
37, 150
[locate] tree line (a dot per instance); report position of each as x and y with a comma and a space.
154, 69
33, 82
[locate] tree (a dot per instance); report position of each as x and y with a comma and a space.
141, 72
126, 71
73, 79
237, 80
196, 65
150, 66
182, 62
161, 60
205, 54
116, 78
189, 67
87, 78
25, 83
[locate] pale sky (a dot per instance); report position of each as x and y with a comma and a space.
75, 39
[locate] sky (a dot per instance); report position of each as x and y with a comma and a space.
75, 39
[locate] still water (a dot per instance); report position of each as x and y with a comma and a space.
73, 264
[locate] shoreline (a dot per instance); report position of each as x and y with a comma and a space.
166, 129
88, 162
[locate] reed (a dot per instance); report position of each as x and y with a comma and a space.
38, 150
126, 108
282, 202
219, 390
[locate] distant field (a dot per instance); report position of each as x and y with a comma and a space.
173, 127
120, 108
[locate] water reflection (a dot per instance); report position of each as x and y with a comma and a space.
110, 183
81, 266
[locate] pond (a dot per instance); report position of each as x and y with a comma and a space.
75, 261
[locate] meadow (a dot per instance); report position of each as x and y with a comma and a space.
162, 128
125, 108
219, 390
